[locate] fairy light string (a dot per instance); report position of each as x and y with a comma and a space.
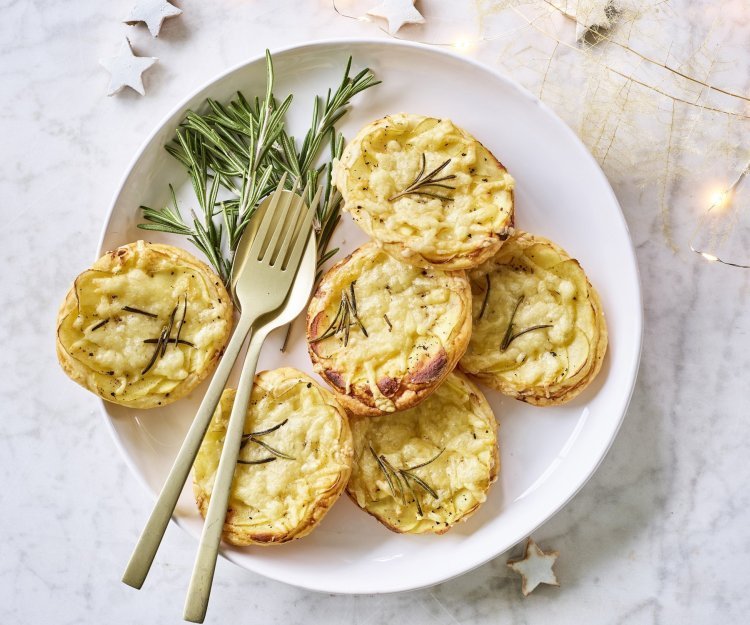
583, 45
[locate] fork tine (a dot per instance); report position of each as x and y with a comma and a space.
286, 223
294, 258
294, 222
268, 219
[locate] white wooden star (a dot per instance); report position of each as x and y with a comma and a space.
153, 13
126, 68
397, 13
535, 567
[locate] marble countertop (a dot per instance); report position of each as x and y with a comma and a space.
659, 534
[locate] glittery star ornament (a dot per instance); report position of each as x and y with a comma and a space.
125, 69
535, 567
397, 13
153, 13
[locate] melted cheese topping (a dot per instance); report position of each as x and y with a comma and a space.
386, 157
456, 419
282, 499
410, 315
553, 290
107, 342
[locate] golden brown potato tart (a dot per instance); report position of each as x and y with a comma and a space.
429, 467
144, 326
295, 459
539, 330
384, 334
427, 191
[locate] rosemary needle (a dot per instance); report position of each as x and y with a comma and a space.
261, 461
388, 321
140, 312
99, 325
486, 295
173, 341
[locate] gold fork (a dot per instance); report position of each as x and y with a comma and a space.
263, 283
262, 277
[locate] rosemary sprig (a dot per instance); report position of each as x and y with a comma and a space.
419, 185
388, 322
509, 336
405, 478
242, 150
342, 321
486, 297
254, 437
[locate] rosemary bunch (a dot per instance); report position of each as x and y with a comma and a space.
235, 155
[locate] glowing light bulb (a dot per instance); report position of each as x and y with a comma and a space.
718, 198
709, 257
464, 44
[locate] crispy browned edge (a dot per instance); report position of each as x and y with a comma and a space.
407, 391
486, 410
559, 393
77, 372
486, 249
241, 536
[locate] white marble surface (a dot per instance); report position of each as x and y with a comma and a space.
659, 535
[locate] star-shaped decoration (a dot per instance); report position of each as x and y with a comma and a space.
535, 567
125, 69
153, 13
397, 13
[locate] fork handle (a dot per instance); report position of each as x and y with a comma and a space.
205, 562
148, 544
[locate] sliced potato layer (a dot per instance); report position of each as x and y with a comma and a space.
426, 468
428, 191
539, 331
383, 333
295, 459
144, 326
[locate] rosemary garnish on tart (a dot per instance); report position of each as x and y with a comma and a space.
240, 150
254, 437
423, 183
405, 479
342, 322
165, 339
510, 336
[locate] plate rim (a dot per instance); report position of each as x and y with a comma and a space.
633, 366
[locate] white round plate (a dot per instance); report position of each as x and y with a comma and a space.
547, 454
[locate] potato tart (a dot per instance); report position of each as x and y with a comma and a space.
144, 326
426, 468
539, 331
295, 459
427, 191
384, 334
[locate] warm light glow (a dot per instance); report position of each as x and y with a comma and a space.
709, 257
464, 44
718, 198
